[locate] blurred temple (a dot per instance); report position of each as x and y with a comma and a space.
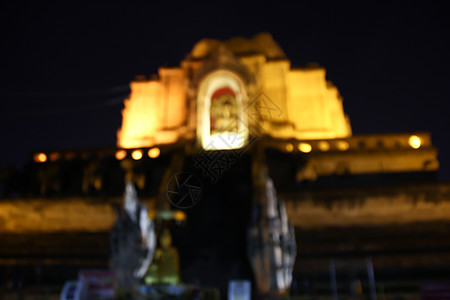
368, 211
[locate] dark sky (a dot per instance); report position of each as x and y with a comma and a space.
65, 68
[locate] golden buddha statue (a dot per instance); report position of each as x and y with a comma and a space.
165, 267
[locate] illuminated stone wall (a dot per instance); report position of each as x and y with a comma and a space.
387, 205
60, 215
311, 107
155, 112
362, 154
394, 204
163, 110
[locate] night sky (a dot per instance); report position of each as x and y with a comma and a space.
65, 69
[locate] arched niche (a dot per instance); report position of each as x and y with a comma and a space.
221, 120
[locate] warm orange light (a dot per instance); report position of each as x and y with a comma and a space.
415, 142
289, 147
136, 154
179, 215
342, 145
151, 214
40, 157
152, 107
121, 154
54, 156
304, 147
156, 110
323, 146
69, 155
229, 129
306, 86
154, 152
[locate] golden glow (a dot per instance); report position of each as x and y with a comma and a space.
313, 104
304, 147
158, 111
152, 108
154, 152
136, 154
415, 142
69, 155
40, 157
54, 156
179, 215
232, 137
224, 141
323, 146
342, 145
289, 147
121, 154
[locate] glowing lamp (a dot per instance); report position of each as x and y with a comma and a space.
40, 157
304, 147
154, 152
136, 154
342, 145
415, 142
323, 146
121, 154
289, 147
69, 155
179, 215
54, 156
